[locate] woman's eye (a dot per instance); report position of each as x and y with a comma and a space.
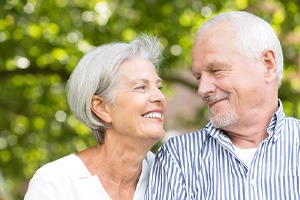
142, 87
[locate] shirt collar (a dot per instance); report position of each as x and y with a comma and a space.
276, 123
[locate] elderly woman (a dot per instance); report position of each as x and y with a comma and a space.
114, 90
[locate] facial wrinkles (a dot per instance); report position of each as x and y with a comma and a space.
213, 98
222, 121
219, 118
210, 54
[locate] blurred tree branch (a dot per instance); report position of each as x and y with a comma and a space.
171, 77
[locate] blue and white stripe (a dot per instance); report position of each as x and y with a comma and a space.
203, 165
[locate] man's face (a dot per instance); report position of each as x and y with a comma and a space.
228, 82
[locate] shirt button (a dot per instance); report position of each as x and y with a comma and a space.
252, 181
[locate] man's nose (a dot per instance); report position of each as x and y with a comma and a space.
206, 85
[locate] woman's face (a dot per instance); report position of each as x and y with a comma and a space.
139, 106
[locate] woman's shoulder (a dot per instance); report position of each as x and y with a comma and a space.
64, 178
69, 165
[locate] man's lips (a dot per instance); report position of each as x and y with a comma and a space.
212, 100
211, 103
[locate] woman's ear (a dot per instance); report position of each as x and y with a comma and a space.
100, 107
269, 61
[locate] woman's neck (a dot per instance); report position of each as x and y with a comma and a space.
117, 166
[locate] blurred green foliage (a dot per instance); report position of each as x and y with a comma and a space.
41, 42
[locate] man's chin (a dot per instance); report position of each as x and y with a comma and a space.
224, 121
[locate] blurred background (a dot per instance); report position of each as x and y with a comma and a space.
41, 42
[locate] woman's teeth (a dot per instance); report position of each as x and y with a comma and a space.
153, 115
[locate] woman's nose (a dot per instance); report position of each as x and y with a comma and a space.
157, 95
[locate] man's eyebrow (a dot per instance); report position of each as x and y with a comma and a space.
209, 66
218, 64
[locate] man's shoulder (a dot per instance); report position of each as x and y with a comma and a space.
292, 123
187, 140
292, 120
184, 149
196, 136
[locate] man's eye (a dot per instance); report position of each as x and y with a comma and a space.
216, 70
160, 87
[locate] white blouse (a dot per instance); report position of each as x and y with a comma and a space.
68, 179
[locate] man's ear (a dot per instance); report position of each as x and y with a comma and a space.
269, 61
100, 107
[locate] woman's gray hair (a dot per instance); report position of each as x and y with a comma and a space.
253, 35
96, 74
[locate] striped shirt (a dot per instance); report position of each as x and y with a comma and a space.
203, 165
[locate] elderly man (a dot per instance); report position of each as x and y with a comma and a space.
249, 149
